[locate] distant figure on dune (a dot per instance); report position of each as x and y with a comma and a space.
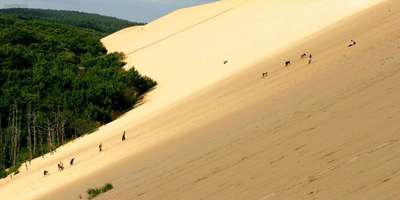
265, 74
287, 63
304, 55
60, 166
352, 43
123, 136
310, 59
100, 147
45, 173
225, 62
71, 162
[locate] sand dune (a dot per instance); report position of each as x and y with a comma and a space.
196, 42
212, 131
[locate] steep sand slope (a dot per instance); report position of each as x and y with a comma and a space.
324, 129
186, 50
328, 130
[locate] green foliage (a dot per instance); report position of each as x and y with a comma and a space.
94, 192
13, 170
3, 173
63, 77
99, 23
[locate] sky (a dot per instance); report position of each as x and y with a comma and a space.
133, 10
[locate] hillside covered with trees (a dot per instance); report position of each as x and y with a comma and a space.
102, 24
57, 82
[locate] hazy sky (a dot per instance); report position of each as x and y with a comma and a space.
134, 10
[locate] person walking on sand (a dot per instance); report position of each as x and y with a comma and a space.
71, 162
100, 147
310, 59
352, 43
264, 74
123, 136
60, 166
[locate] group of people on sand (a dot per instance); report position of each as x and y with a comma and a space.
352, 43
288, 62
307, 56
60, 165
123, 138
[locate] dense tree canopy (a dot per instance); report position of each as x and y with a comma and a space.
102, 24
57, 82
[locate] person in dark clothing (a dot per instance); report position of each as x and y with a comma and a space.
60, 166
265, 74
124, 136
100, 147
352, 43
71, 162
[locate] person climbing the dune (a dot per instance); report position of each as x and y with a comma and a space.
71, 162
352, 43
100, 147
60, 166
123, 136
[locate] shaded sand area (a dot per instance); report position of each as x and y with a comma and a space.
321, 131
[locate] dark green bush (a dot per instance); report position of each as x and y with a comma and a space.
13, 170
3, 173
94, 192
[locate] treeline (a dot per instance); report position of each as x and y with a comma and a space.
102, 24
57, 82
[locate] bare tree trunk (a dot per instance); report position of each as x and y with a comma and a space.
11, 126
29, 137
14, 135
58, 126
18, 131
2, 144
62, 131
34, 133
49, 139
61, 126
41, 135
13, 145
56, 131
